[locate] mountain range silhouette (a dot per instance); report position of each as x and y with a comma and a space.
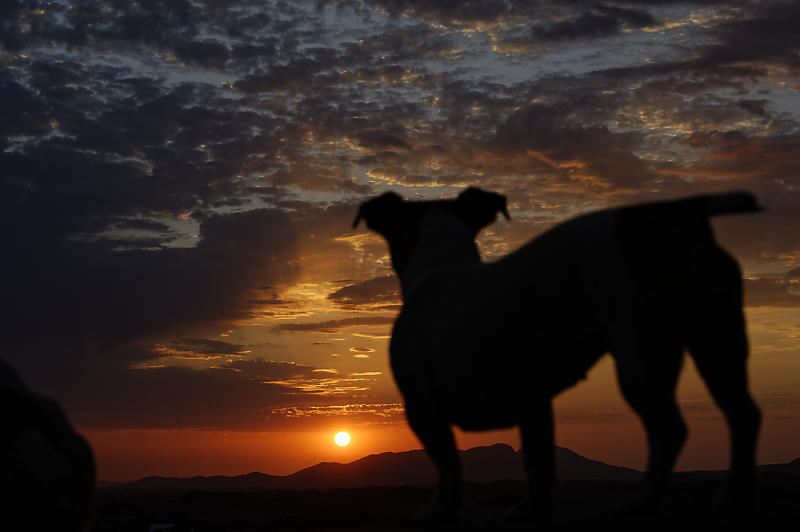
483, 465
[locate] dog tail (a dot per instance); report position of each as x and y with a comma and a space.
653, 228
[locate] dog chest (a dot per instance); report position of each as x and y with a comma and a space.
484, 364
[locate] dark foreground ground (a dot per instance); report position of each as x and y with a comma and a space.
580, 505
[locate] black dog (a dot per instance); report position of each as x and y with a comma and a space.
487, 345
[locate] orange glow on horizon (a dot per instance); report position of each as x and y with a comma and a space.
605, 430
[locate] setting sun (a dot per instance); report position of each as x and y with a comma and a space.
341, 439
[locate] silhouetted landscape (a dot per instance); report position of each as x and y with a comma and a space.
382, 491
233, 227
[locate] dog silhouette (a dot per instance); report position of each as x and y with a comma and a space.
488, 345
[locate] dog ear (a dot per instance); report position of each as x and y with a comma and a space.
478, 208
381, 213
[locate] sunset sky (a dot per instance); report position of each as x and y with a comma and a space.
178, 181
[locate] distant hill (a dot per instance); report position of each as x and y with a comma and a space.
789, 468
480, 464
792, 468
411, 468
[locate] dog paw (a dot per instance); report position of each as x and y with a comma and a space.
435, 515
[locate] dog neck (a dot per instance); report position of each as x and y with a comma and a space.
444, 244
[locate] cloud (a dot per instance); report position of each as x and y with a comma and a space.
209, 53
360, 415
736, 154
282, 77
165, 161
442, 10
334, 326
104, 392
174, 397
771, 293
543, 136
268, 370
599, 21
171, 29
383, 290
764, 32
137, 293
375, 336
239, 394
362, 350
188, 348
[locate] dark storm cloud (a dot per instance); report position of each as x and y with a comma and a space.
129, 387
175, 397
320, 67
133, 127
209, 54
735, 153
193, 143
767, 31
744, 43
91, 176
115, 296
23, 112
141, 225
12, 13
582, 151
544, 22
281, 77
242, 395
402, 45
599, 21
174, 27
196, 140
467, 10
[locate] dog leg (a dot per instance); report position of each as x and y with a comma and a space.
538, 449
647, 378
437, 436
720, 354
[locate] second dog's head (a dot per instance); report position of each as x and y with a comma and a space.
435, 225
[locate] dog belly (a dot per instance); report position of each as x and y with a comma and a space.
485, 423
487, 416
482, 394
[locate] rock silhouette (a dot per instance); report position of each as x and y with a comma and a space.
487, 345
47, 470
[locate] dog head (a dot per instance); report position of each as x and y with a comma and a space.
404, 224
